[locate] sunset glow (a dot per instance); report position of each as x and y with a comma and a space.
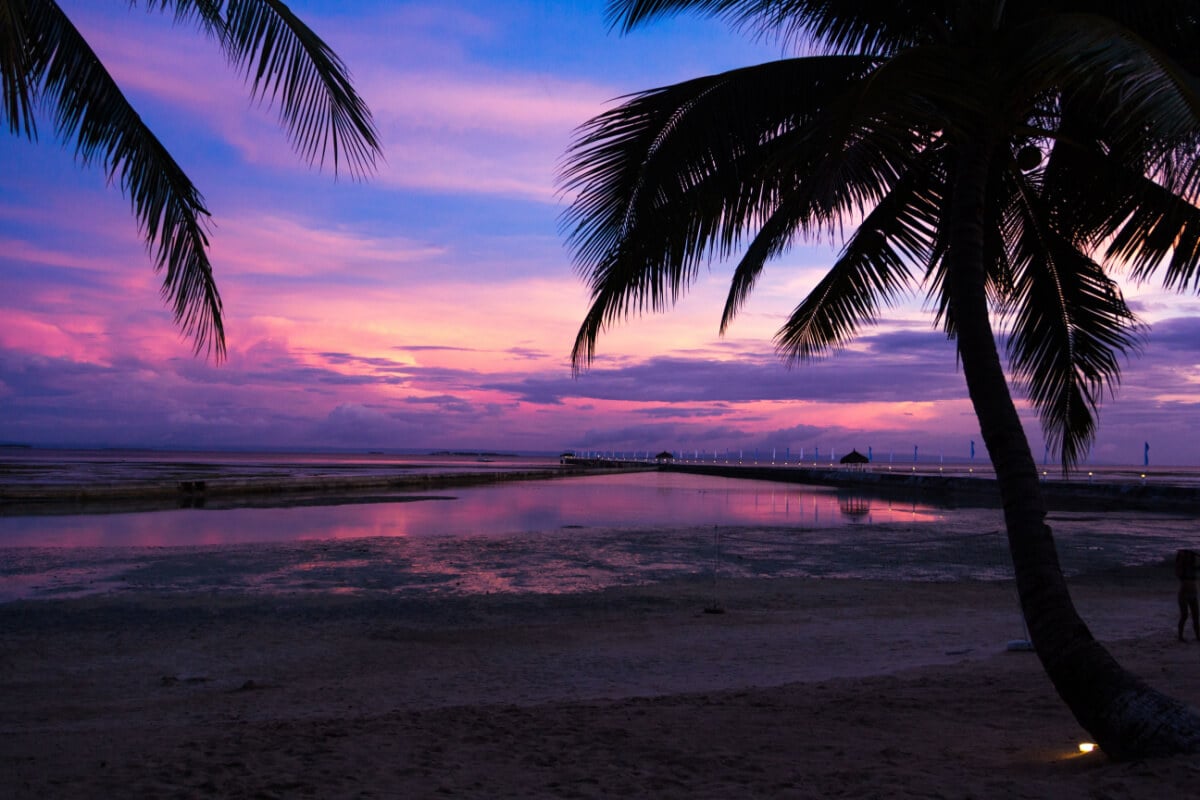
434, 305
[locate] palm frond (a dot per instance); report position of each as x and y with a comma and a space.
877, 28
871, 166
1115, 200
658, 145
1163, 228
1069, 326
290, 65
90, 109
680, 173
16, 90
796, 147
773, 239
1145, 96
607, 300
872, 271
43, 59
1145, 226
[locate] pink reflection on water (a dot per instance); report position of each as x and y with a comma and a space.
486, 542
644, 501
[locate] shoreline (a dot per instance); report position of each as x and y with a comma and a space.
803, 687
191, 486
211, 489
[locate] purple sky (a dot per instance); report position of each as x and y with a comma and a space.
434, 306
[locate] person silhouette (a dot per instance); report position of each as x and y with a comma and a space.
1185, 570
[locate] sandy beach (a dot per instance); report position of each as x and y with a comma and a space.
800, 688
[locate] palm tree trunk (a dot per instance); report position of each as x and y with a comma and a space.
1125, 717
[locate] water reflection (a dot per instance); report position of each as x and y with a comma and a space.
577, 534
644, 501
854, 507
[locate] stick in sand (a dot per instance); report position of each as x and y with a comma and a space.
715, 606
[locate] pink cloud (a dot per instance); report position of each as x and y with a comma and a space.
36, 253
273, 244
33, 333
513, 105
496, 134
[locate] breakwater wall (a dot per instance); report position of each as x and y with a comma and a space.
1076, 494
217, 491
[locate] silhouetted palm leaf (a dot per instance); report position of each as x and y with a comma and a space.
44, 60
289, 65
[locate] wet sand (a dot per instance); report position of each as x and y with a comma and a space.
800, 688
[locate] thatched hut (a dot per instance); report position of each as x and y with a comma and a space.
855, 459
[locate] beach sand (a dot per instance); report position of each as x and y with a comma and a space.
800, 688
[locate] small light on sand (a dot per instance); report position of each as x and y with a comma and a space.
1086, 747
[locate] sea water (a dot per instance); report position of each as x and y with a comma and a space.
549, 536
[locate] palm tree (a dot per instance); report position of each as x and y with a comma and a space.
45, 63
1001, 155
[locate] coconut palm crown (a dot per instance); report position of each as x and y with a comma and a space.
1001, 157
47, 65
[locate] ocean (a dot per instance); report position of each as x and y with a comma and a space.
565, 534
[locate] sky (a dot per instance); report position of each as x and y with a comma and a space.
434, 305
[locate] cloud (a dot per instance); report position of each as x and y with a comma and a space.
655, 437
1174, 335
886, 367
433, 348
684, 412
500, 134
270, 249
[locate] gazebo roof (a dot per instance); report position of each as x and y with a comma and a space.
854, 457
